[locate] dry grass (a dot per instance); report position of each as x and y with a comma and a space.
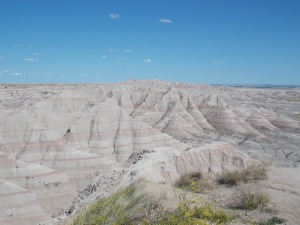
194, 182
247, 175
249, 198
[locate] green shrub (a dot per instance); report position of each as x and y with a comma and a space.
194, 182
184, 183
231, 178
273, 221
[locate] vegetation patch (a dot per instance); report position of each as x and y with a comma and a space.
194, 182
247, 175
117, 209
249, 198
127, 208
184, 214
273, 221
295, 116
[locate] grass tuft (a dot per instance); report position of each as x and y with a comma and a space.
273, 221
194, 182
247, 175
231, 178
249, 198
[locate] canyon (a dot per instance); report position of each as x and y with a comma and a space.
62, 143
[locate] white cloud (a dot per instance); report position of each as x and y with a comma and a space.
147, 61
114, 16
217, 62
34, 53
128, 50
104, 56
119, 64
5, 71
165, 21
31, 59
16, 74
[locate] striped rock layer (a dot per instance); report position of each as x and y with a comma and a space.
55, 139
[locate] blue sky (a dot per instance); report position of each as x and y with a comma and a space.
201, 41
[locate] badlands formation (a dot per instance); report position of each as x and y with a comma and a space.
60, 144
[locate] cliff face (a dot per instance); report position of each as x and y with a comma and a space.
56, 139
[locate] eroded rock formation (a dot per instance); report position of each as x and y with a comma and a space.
57, 140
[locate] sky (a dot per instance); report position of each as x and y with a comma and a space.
199, 41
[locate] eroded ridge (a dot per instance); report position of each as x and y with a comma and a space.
57, 140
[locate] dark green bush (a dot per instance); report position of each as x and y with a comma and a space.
273, 221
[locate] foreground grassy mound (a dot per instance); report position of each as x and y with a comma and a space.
127, 207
